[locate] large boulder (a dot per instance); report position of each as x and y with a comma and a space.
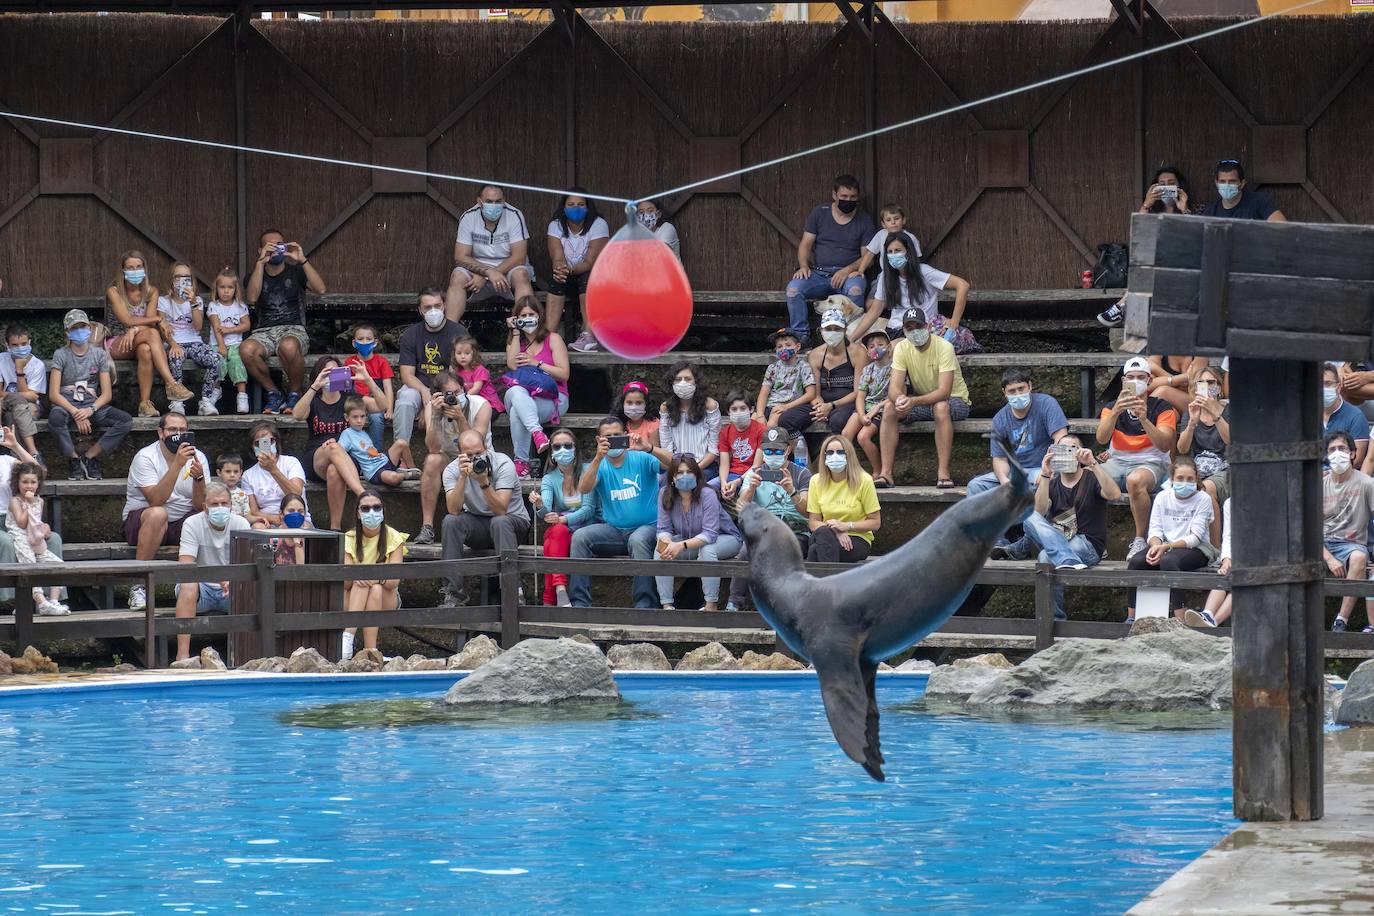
539, 672
6, 663
1173, 668
364, 661
272, 664
419, 662
638, 656
1356, 705
710, 657
478, 651
210, 660
309, 661
186, 664
948, 684
776, 661
987, 660
33, 662
917, 664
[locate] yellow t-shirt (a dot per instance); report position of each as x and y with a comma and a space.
394, 539
836, 500
923, 367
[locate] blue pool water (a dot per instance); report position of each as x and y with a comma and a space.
722, 795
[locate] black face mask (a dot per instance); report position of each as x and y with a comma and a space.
847, 206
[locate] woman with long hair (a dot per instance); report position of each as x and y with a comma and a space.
272, 478
133, 330
692, 525
563, 507
908, 282
371, 541
577, 235
535, 357
842, 504
326, 461
689, 420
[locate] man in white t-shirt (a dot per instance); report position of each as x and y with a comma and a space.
166, 484
492, 247
205, 542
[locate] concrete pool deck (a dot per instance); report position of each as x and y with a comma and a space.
1324, 866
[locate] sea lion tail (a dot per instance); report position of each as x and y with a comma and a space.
1020, 482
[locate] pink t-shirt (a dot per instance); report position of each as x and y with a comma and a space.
487, 391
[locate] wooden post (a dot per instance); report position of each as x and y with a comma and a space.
150, 653
23, 616
1044, 606
267, 602
510, 597
1278, 620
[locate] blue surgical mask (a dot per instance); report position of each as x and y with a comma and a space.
1228, 191
364, 349
135, 276
219, 515
1328, 396
1019, 401
293, 519
21, 352
372, 518
79, 335
898, 261
614, 452
685, 482
774, 460
563, 455
575, 214
492, 212
837, 461
1184, 489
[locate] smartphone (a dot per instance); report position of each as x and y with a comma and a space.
618, 441
340, 379
770, 475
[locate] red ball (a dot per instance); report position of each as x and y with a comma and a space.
639, 303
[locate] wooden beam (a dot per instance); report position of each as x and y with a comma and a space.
448, 206
1215, 81
242, 23
1061, 224
642, 85
147, 232
25, 130
935, 241
339, 219
793, 82
313, 87
498, 76
854, 20
1123, 12
18, 206
768, 214
1212, 282
1322, 201
1355, 69
951, 98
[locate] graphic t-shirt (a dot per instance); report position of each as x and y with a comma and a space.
873, 383
181, 315
740, 444
1346, 507
837, 245
79, 375
1129, 438
776, 500
1030, 436
427, 352
629, 494
325, 422
282, 300
788, 381
492, 246
1080, 509
230, 315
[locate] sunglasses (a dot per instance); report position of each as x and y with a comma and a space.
774, 451
834, 451
369, 507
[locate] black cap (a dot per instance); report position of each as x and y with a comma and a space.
774, 436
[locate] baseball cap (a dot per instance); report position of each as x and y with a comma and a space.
880, 333
775, 436
914, 315
73, 318
832, 318
1136, 364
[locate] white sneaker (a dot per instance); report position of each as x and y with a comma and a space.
138, 598
50, 608
241, 403
563, 599
347, 652
1072, 566
177, 407
207, 408
585, 343
1137, 546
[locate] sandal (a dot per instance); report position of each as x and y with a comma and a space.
882, 483
944, 483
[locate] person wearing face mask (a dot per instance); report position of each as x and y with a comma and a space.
632, 407
491, 253
183, 328
1030, 421
624, 478
166, 485
371, 541
841, 506
79, 387
563, 507
1236, 201
536, 381
828, 254
576, 237
204, 541
485, 510
133, 329
908, 282
835, 364
689, 421
1140, 432
692, 525
273, 477
1347, 506
276, 288
789, 386
739, 442
650, 215
1180, 527
785, 497
938, 394
1205, 435
1174, 378
379, 370
24, 378
294, 514
1338, 415
1166, 192
452, 412
426, 348
871, 390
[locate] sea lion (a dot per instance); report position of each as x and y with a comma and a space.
847, 623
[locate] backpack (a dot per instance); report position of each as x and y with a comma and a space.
1113, 266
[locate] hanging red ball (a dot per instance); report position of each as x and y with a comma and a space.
639, 302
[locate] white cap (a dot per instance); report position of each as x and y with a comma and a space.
832, 318
1136, 364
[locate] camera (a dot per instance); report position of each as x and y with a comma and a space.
480, 465
451, 398
279, 250
770, 475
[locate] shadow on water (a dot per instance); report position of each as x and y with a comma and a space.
404, 713
1116, 720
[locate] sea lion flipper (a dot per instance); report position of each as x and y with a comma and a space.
847, 689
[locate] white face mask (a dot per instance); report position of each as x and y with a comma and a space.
832, 338
918, 337
1138, 386
684, 390
434, 319
837, 462
740, 418
1339, 461
635, 411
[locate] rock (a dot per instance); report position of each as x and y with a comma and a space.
1171, 668
884, 666
210, 660
274, 664
710, 657
917, 664
1147, 625
583, 638
6, 663
539, 672
396, 663
478, 651
987, 660
192, 663
1332, 703
948, 684
425, 663
365, 661
33, 662
121, 668
753, 661
638, 656
308, 661
1357, 699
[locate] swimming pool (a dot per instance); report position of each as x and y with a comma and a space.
712, 794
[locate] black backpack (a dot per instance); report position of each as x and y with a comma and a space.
1113, 265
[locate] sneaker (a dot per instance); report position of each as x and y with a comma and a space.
731, 607
50, 608
146, 409
1112, 317
347, 651
452, 597
1198, 618
291, 399
241, 402
178, 392
1137, 545
138, 598
93, 470
562, 596
274, 402
1368, 629
76, 469
522, 469
1072, 566
585, 343
1000, 552
1339, 625
1129, 621
38, 459
177, 407
541, 441
207, 408
411, 474
426, 536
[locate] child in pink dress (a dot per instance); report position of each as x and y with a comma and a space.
467, 365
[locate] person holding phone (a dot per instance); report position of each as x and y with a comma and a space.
322, 408
485, 510
276, 288
1140, 432
274, 477
780, 485
1165, 192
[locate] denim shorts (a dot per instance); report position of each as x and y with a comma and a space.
1342, 549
